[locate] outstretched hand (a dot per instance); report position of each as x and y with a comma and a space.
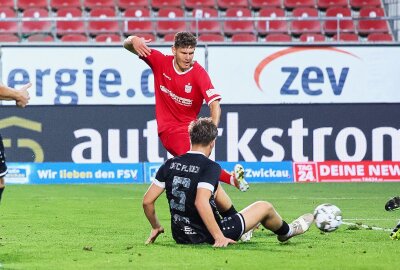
23, 96
223, 242
154, 234
140, 46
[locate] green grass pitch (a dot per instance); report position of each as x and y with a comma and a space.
103, 227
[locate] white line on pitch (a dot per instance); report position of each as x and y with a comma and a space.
367, 227
367, 219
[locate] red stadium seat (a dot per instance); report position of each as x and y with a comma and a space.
357, 4
8, 27
74, 38
90, 4
9, 38
244, 38
169, 37
35, 26
132, 27
124, 4
291, 4
370, 26
232, 27
332, 26
40, 38
346, 37
380, 37
303, 26
108, 38
97, 27
64, 27
164, 27
7, 3
265, 27
257, 4
211, 38
203, 26
324, 4
278, 38
158, 4
150, 36
312, 38
225, 4
24, 4
56, 4
191, 4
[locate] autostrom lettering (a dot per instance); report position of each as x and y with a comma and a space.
253, 144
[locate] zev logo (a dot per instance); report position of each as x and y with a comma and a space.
310, 70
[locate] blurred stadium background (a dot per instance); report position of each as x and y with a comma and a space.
310, 94
213, 20
304, 83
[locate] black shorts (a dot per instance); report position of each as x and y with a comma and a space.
233, 226
3, 166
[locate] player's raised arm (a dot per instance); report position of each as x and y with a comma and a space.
21, 96
149, 200
137, 45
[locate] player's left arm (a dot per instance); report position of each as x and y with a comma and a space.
203, 206
210, 95
149, 200
215, 111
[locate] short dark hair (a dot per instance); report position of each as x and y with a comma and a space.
202, 131
185, 40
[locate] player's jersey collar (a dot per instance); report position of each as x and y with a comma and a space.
195, 152
178, 72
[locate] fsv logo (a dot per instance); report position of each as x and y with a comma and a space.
313, 78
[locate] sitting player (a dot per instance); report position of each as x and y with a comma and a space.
192, 189
391, 205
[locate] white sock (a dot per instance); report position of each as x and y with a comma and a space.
232, 180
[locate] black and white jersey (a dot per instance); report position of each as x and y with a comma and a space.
3, 166
181, 176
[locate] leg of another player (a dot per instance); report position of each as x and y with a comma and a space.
2, 187
236, 178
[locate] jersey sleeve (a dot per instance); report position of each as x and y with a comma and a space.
210, 177
159, 180
154, 58
207, 88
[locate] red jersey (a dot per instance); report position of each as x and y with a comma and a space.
179, 95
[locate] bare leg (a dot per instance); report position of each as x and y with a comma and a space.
2, 186
261, 212
224, 203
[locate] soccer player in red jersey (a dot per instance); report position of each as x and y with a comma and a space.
181, 86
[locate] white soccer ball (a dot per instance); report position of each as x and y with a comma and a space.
328, 217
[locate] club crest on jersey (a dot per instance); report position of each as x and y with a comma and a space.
188, 88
